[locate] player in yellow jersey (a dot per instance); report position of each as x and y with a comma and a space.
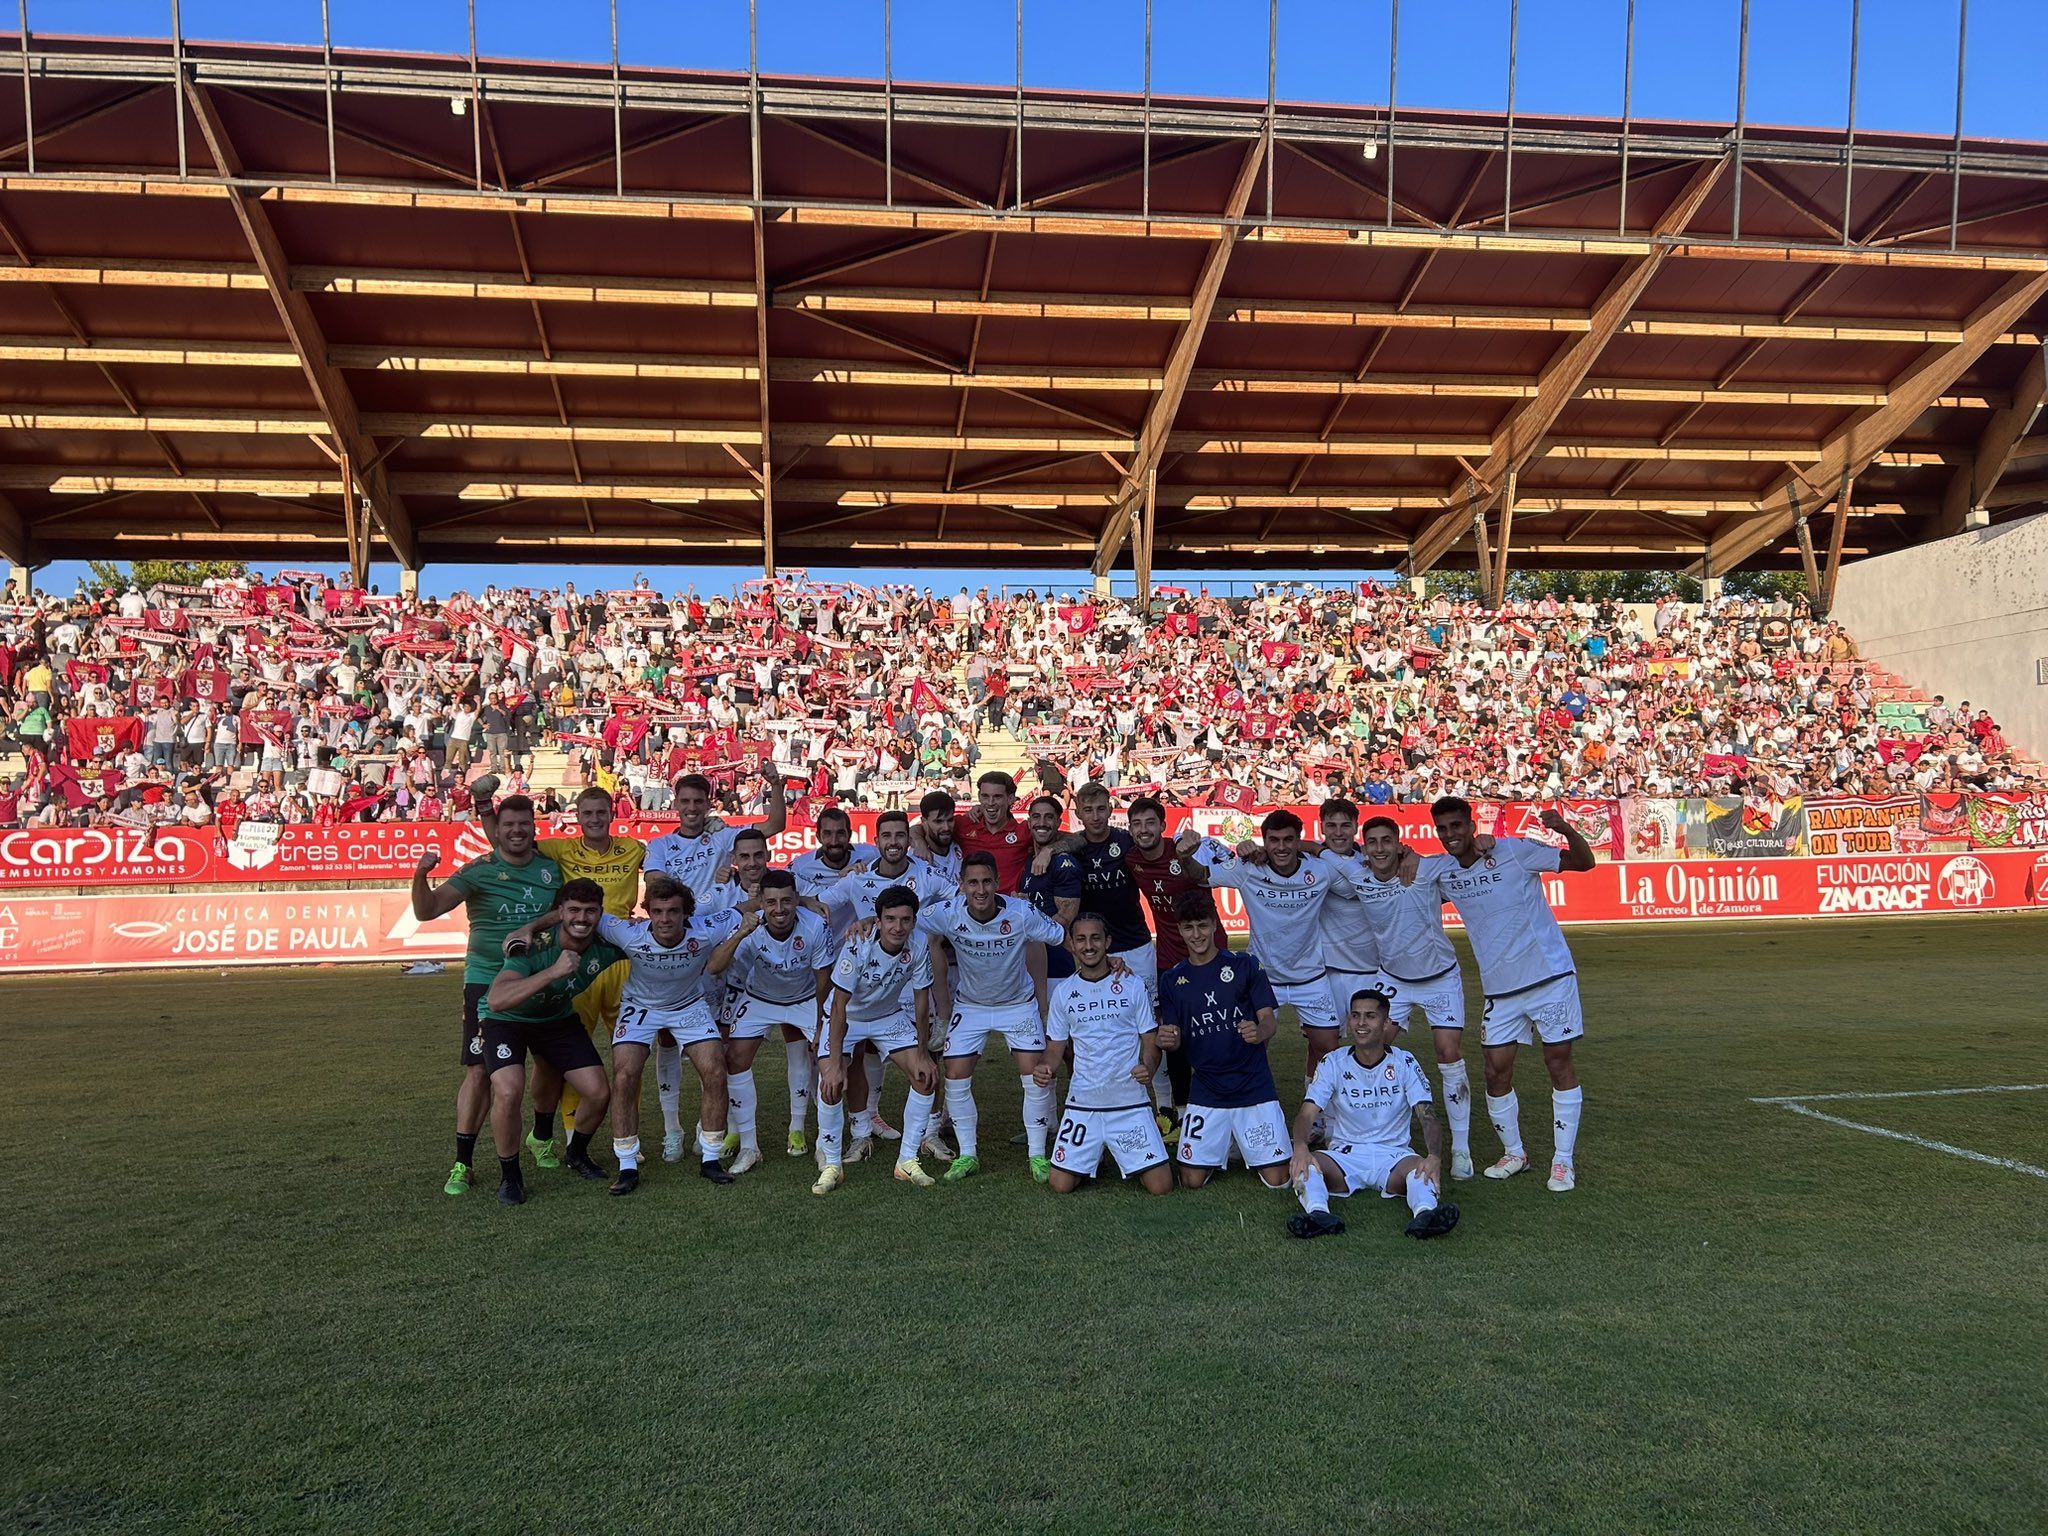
614, 863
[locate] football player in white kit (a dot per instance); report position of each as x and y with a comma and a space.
822, 867
1105, 1017
869, 982
854, 895
696, 855
664, 991
1367, 1097
992, 936
931, 840
1419, 971
1351, 950
1525, 970
777, 965
1284, 898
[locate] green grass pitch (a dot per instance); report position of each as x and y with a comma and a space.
236, 1299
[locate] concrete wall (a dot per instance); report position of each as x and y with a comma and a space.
1966, 617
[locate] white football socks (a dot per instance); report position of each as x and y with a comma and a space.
1506, 1114
1315, 1189
668, 1085
627, 1150
1421, 1196
917, 1119
1457, 1104
710, 1144
1037, 1114
798, 1055
876, 1065
1565, 1106
966, 1117
831, 1132
744, 1101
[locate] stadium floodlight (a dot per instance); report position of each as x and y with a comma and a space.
459, 105
1370, 149
1975, 518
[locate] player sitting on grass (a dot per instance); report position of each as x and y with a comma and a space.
1107, 1017
531, 1007
869, 980
1219, 1008
1366, 1096
777, 965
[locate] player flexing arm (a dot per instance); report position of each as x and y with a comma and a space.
1367, 1096
1525, 969
501, 890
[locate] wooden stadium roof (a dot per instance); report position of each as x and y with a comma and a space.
536, 311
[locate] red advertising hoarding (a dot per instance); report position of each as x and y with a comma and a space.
131, 931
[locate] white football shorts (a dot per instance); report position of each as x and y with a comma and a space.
897, 1032
1144, 964
1343, 985
1548, 1011
1019, 1024
1441, 997
1130, 1135
1260, 1131
1365, 1164
748, 1017
1311, 1003
690, 1024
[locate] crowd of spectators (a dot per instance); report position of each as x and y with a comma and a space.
289, 699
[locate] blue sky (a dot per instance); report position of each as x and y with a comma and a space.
1453, 54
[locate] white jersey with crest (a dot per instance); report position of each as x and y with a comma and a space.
661, 979
1514, 933
992, 957
1103, 1020
814, 877
697, 862
946, 864
1285, 911
856, 890
783, 970
1408, 921
1371, 1106
875, 982
1349, 941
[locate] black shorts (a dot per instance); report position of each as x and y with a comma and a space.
562, 1043
469, 1050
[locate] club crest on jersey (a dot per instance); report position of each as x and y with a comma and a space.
1227, 974
504, 1053
1389, 1074
476, 1044
547, 875
691, 946
1010, 838
1174, 867
1005, 927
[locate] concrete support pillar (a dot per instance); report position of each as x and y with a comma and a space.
408, 583
1418, 586
1102, 585
1710, 589
21, 584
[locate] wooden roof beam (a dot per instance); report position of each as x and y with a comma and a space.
17, 544
337, 404
1522, 434
1870, 432
2001, 443
1180, 363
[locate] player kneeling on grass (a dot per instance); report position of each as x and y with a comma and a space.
1107, 1017
1218, 1007
1366, 1096
532, 1007
777, 966
868, 981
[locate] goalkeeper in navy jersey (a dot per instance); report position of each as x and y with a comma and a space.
1218, 1007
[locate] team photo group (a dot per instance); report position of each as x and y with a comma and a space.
1097, 955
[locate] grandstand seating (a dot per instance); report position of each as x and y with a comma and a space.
286, 698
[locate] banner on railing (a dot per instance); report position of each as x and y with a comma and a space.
134, 931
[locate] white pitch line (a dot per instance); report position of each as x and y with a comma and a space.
1918, 1141
1910, 1093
